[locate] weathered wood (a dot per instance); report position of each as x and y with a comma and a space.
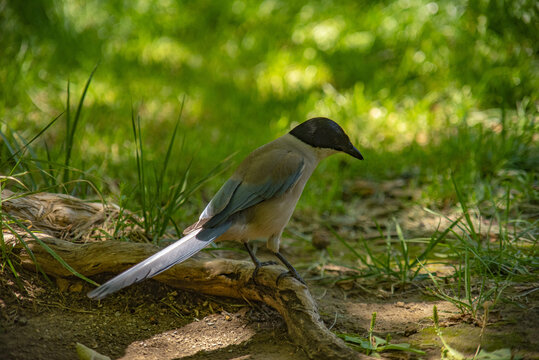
222, 277
67, 217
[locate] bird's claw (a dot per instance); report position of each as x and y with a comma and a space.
293, 274
258, 266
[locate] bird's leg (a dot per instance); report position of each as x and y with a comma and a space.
291, 271
258, 263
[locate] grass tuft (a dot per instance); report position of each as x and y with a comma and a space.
374, 344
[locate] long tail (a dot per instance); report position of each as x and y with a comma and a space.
173, 254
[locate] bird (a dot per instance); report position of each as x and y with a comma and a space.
256, 202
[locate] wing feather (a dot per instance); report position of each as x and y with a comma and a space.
260, 182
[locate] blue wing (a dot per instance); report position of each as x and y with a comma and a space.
239, 194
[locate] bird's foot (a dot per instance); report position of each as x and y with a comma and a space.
258, 266
258, 263
291, 270
291, 273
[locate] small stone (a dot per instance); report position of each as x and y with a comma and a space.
321, 239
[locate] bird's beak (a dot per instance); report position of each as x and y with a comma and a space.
352, 151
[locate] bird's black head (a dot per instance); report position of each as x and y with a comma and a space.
325, 134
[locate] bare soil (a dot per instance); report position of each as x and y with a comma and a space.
43, 319
153, 321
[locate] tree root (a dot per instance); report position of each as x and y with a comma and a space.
222, 277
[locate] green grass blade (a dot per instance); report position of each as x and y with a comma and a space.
344, 242
139, 156
15, 149
51, 252
465, 210
72, 128
28, 250
467, 279
435, 241
6, 253
26, 146
170, 145
68, 116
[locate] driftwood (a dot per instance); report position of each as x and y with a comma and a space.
222, 277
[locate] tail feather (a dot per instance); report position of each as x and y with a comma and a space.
173, 254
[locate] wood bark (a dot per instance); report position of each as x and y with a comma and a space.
220, 277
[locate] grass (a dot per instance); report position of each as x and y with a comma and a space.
376, 345
71, 125
441, 94
483, 267
449, 352
158, 197
488, 267
398, 87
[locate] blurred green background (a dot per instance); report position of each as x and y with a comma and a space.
425, 89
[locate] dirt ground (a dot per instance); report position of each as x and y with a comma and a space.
45, 319
153, 321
